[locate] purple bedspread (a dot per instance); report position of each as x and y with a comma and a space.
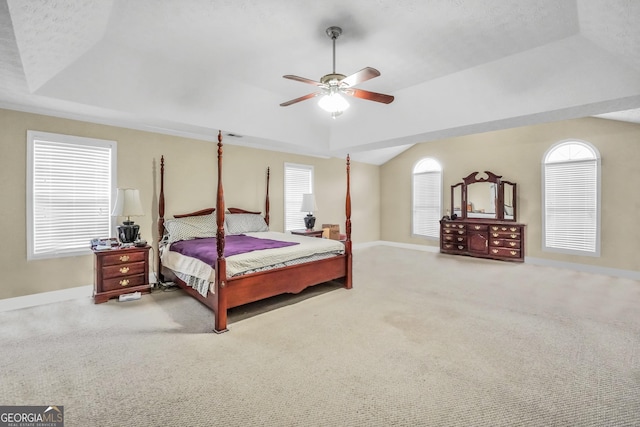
205, 249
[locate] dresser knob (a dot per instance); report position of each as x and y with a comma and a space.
495, 251
123, 270
124, 282
477, 227
513, 236
513, 252
496, 242
124, 258
512, 243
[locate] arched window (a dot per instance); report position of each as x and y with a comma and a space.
571, 198
427, 198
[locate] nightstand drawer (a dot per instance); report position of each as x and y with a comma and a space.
128, 269
121, 258
123, 282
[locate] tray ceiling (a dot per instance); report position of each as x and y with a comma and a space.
191, 67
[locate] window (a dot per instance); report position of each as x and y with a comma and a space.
571, 199
427, 198
298, 180
70, 184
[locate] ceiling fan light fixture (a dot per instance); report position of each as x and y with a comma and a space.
333, 103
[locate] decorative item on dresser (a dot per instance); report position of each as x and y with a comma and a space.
484, 225
120, 271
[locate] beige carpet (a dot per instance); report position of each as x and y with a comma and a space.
421, 340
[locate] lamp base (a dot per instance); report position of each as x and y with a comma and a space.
128, 232
309, 221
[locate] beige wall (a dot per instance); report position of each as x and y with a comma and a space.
190, 185
516, 154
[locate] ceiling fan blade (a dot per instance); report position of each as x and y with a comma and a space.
370, 96
302, 98
304, 80
360, 76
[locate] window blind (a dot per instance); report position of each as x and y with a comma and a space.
71, 182
571, 206
298, 180
427, 196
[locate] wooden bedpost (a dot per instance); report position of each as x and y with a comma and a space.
266, 203
160, 219
347, 244
220, 298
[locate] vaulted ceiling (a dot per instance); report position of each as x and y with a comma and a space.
191, 67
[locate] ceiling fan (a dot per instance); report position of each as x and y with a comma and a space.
331, 86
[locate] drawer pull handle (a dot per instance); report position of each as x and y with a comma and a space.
124, 258
496, 242
513, 229
124, 282
460, 232
494, 228
460, 247
513, 244
460, 239
495, 234
513, 236
495, 251
513, 252
477, 227
124, 270
504, 228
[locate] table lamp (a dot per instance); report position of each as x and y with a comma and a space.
128, 204
309, 205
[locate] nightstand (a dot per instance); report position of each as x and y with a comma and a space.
120, 271
308, 233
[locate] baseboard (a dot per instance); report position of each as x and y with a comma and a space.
594, 269
53, 296
45, 298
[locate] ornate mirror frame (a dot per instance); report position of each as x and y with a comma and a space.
504, 194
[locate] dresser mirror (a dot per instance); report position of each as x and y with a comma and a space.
484, 196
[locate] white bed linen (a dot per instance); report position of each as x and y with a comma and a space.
239, 264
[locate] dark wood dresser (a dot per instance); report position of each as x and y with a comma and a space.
482, 221
120, 271
503, 240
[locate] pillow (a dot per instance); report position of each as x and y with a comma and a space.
245, 223
191, 227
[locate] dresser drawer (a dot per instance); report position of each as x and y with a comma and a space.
505, 228
505, 243
128, 269
123, 282
478, 227
121, 258
505, 252
504, 235
455, 246
453, 238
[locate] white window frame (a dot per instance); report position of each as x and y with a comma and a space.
293, 191
46, 245
570, 242
430, 169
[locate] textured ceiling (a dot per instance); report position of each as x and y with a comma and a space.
191, 67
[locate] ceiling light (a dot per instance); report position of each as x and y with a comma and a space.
333, 103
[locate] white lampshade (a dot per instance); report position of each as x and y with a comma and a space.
308, 203
127, 203
333, 103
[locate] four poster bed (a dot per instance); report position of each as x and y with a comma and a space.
227, 258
